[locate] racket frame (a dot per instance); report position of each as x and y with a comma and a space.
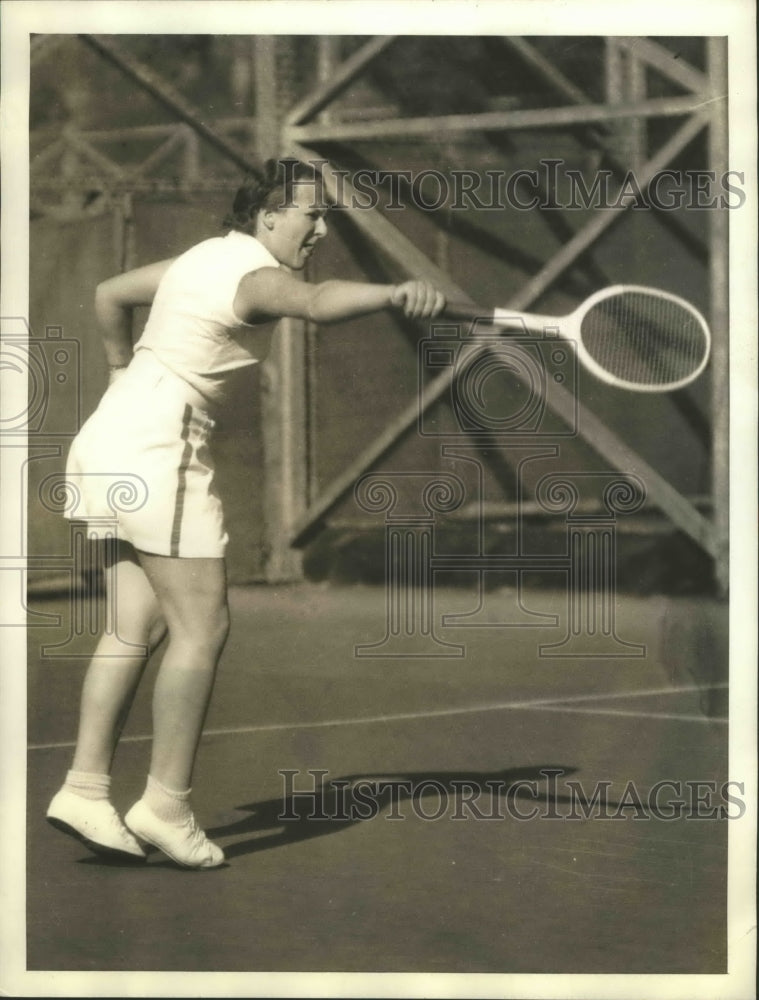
569, 328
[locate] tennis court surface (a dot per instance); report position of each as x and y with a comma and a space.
484, 813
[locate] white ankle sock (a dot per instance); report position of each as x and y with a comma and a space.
88, 786
166, 803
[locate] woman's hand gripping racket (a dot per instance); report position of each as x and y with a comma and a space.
628, 336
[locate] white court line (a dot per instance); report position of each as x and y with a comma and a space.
646, 715
547, 704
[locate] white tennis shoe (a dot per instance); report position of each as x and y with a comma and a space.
95, 823
184, 843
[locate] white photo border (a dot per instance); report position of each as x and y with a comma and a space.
731, 18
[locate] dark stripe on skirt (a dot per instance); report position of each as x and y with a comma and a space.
176, 528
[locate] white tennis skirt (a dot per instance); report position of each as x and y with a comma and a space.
140, 469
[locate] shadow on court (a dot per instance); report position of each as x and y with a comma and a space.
347, 800
494, 812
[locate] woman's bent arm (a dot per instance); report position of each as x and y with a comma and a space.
115, 299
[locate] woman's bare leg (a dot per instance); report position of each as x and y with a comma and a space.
114, 673
193, 598
192, 594
82, 807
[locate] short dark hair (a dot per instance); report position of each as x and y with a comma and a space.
268, 188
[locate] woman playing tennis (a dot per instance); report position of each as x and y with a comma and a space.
213, 313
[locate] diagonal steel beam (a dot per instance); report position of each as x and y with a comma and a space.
154, 84
174, 142
382, 232
73, 140
598, 134
585, 237
547, 69
341, 77
40, 160
666, 62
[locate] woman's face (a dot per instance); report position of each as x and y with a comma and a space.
291, 233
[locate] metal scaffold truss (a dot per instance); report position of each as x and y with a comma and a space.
76, 173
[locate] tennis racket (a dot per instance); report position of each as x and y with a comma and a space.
628, 336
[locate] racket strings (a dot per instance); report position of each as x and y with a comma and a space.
644, 339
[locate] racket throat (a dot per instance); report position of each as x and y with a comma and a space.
518, 322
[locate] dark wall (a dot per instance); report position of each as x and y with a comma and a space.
368, 370
371, 367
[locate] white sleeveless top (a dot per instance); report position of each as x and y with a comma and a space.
192, 327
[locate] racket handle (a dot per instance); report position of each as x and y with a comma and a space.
508, 321
467, 311
505, 320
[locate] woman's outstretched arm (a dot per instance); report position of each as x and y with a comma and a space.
271, 293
